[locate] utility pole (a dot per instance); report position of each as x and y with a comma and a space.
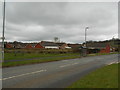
3, 37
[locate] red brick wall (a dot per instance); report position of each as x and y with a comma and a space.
108, 49
29, 46
38, 46
105, 50
8, 46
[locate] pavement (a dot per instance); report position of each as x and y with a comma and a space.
57, 74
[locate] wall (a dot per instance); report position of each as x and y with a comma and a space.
105, 50
38, 46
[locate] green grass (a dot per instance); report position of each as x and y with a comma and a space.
9, 56
33, 56
106, 77
97, 54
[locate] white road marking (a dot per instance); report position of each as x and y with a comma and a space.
68, 65
23, 74
75, 63
65, 60
111, 63
65, 65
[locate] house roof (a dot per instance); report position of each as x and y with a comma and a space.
60, 44
17, 45
23, 45
33, 44
46, 43
74, 45
9, 44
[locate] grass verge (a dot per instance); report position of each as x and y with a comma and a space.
106, 77
20, 56
11, 56
17, 63
98, 54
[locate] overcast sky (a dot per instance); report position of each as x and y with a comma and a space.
36, 21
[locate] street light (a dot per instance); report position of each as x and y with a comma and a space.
85, 47
86, 36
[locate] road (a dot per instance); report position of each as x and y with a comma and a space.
58, 74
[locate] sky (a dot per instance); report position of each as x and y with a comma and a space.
38, 21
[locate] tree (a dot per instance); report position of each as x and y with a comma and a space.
56, 39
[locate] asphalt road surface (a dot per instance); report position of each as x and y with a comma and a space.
58, 74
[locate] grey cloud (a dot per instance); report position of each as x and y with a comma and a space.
60, 13
44, 21
42, 13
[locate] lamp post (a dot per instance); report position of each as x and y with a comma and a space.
85, 48
86, 36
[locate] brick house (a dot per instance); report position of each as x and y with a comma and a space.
38, 45
49, 45
99, 47
74, 46
28, 46
63, 46
106, 49
8, 45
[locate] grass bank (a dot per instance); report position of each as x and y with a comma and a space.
106, 77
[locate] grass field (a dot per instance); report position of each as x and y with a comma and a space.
55, 57
106, 77
11, 56
38, 58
